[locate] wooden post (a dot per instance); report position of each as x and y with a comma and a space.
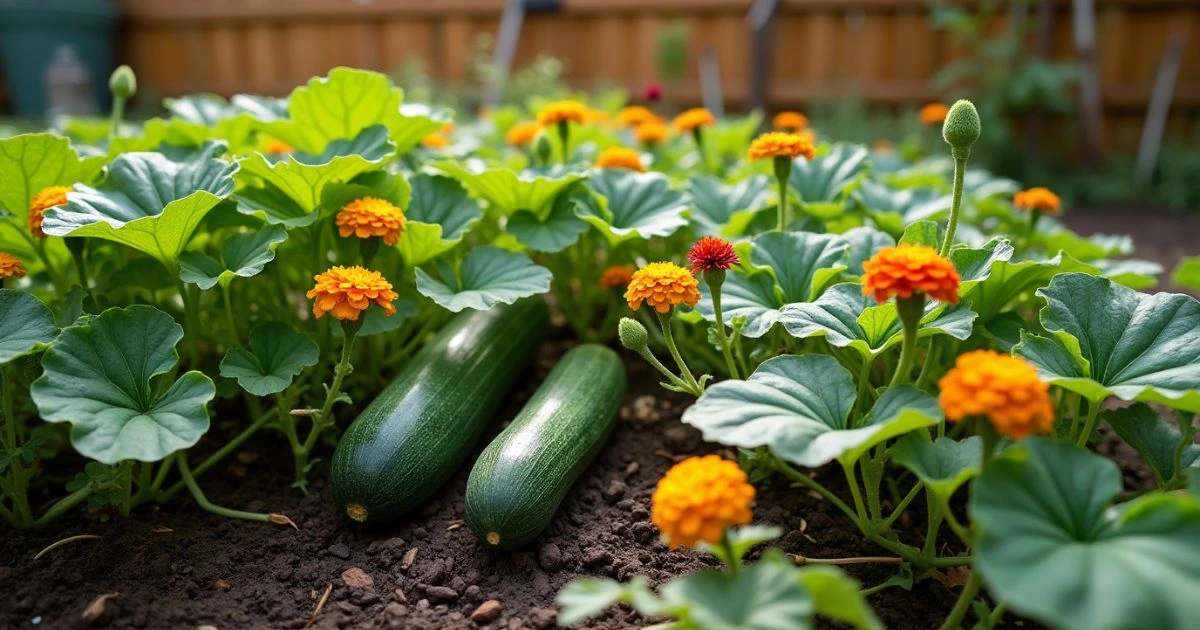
710, 82
758, 22
506, 48
1156, 112
1089, 83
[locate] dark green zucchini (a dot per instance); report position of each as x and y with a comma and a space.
412, 438
521, 477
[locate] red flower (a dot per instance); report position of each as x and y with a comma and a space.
711, 253
652, 92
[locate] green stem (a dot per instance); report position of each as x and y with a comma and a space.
229, 319
1089, 425
204, 503
813, 484
715, 289
908, 498
564, 135
970, 590
997, 614
934, 512
118, 113
325, 419
783, 172
910, 311
56, 275
931, 358
1187, 437
859, 507
126, 476
653, 360
734, 562
67, 503
959, 529
221, 454
20, 485
951, 561
698, 136
78, 247
864, 382
664, 319
960, 169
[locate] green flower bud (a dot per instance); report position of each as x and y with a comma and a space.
633, 334
123, 82
543, 148
961, 128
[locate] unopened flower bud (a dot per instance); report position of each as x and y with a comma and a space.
961, 128
633, 334
123, 82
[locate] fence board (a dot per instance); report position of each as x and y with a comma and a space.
884, 51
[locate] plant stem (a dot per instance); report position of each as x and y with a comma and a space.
734, 562
20, 485
910, 310
959, 530
564, 135
698, 136
813, 484
931, 357
1089, 426
204, 503
324, 419
715, 289
78, 248
67, 503
1187, 437
118, 113
653, 360
960, 169
970, 590
783, 172
934, 512
908, 498
216, 457
664, 320
859, 507
233, 335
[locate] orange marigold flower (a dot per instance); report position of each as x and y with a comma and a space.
1038, 198
694, 119
711, 253
45, 199
698, 499
369, 217
596, 116
616, 276
562, 111
435, 141
909, 269
651, 132
635, 115
275, 146
1004, 389
790, 121
448, 127
348, 291
662, 285
522, 133
10, 267
933, 113
778, 144
620, 157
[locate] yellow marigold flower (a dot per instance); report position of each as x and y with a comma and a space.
1038, 198
596, 116
790, 121
369, 217
522, 133
1004, 389
662, 285
698, 499
933, 113
616, 276
778, 144
635, 115
562, 111
348, 291
10, 267
275, 146
435, 141
651, 132
694, 119
45, 199
907, 270
620, 157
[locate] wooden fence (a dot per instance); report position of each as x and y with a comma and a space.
884, 51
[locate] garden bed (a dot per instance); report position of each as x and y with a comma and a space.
183, 567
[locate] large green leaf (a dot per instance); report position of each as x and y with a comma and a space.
1187, 273
629, 205
100, 376
782, 268
1108, 339
764, 596
507, 191
891, 209
557, 231
147, 201
799, 406
838, 596
439, 215
1053, 547
340, 105
720, 209
277, 354
26, 325
1131, 272
1007, 281
864, 243
943, 464
488, 276
1153, 437
847, 318
288, 192
33, 161
823, 182
242, 255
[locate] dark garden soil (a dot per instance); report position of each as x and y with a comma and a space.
176, 566
1158, 235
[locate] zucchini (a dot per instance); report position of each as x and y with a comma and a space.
521, 477
412, 438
